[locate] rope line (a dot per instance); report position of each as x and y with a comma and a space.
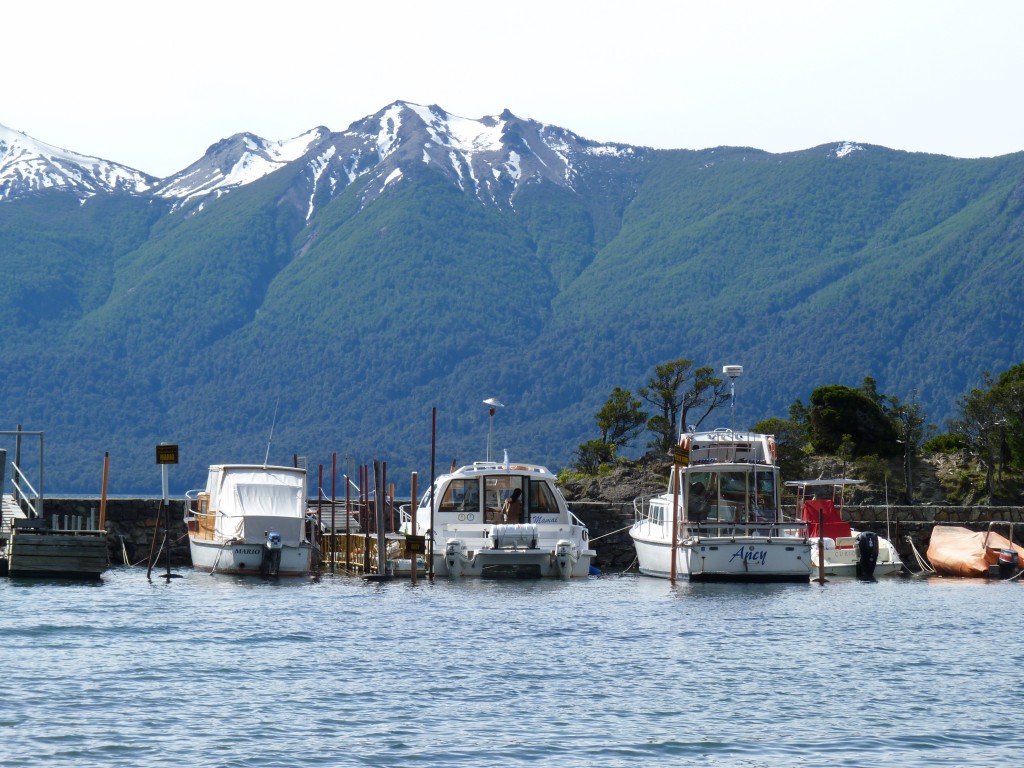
921, 562
612, 533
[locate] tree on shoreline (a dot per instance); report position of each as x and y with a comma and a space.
667, 392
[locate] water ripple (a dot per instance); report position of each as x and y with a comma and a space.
613, 671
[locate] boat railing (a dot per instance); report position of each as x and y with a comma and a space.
993, 524
575, 520
782, 529
191, 497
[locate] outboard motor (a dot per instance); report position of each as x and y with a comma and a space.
455, 557
867, 555
563, 559
271, 563
1008, 561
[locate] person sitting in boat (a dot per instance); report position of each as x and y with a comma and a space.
512, 509
698, 505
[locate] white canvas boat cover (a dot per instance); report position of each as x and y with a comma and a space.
252, 500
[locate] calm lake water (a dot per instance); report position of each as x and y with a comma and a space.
609, 671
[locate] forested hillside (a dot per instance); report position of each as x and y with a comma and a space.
130, 322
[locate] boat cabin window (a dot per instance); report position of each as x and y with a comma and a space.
700, 490
461, 496
501, 507
736, 496
765, 507
542, 502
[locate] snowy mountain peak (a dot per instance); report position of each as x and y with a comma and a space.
491, 158
28, 166
236, 161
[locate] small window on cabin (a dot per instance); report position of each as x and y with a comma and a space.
542, 499
765, 509
461, 496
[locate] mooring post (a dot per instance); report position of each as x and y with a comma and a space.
433, 455
821, 545
334, 507
348, 523
412, 531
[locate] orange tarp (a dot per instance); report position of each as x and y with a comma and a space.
956, 551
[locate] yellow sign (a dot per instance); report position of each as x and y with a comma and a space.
167, 454
681, 455
415, 545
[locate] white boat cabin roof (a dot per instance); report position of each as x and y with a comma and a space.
724, 446
478, 468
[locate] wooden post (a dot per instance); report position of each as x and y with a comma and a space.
319, 498
391, 504
152, 544
821, 546
366, 514
334, 506
675, 518
348, 524
412, 529
380, 479
103, 492
433, 456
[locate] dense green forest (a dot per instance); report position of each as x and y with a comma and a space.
247, 328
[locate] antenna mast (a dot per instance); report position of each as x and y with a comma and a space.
270, 439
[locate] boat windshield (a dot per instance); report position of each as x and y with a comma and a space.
731, 496
461, 496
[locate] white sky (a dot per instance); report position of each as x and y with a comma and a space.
152, 85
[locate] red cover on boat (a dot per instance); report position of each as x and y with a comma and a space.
835, 526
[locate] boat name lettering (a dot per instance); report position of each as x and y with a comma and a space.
751, 555
543, 518
249, 551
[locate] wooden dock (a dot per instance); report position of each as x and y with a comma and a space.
29, 546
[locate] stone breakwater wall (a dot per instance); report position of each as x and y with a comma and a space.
130, 524
608, 524
908, 527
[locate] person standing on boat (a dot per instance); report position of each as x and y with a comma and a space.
512, 509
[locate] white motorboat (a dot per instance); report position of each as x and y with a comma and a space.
251, 520
843, 550
493, 520
720, 519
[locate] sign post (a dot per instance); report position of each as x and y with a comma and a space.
166, 454
680, 459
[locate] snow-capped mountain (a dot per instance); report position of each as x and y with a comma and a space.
490, 158
28, 167
235, 162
